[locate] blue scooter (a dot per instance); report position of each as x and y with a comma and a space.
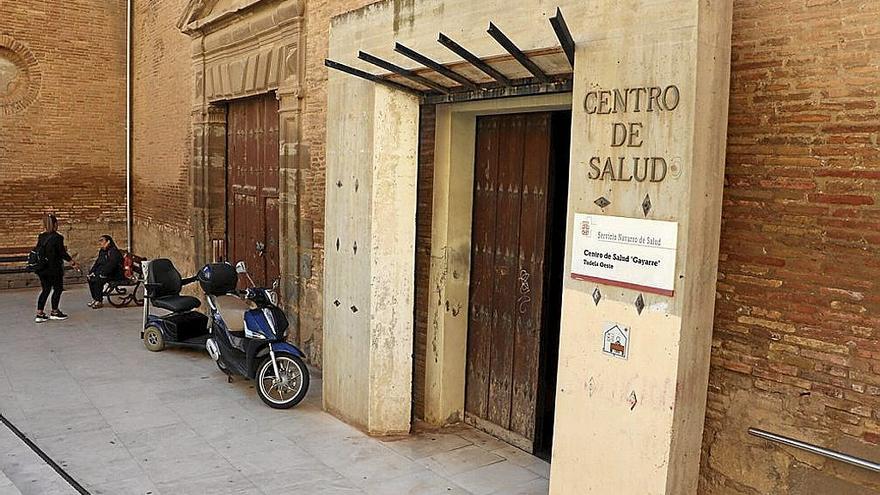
251, 343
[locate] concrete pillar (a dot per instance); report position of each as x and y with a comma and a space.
369, 285
634, 425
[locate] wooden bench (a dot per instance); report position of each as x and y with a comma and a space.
14, 260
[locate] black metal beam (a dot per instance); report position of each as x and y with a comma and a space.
520, 57
372, 77
412, 76
431, 64
564, 35
524, 87
473, 59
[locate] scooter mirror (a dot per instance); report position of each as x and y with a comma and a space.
240, 267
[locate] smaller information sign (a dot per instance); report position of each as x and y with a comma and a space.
616, 340
625, 252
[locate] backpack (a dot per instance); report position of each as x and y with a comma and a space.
131, 266
37, 261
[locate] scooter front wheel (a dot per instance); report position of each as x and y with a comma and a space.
289, 387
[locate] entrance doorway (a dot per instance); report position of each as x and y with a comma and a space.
517, 251
252, 185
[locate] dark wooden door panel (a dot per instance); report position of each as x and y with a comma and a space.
252, 183
482, 262
507, 272
529, 288
506, 268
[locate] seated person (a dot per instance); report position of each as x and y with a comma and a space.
108, 266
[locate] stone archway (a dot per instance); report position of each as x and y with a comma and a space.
240, 49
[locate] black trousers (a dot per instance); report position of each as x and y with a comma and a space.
54, 283
96, 287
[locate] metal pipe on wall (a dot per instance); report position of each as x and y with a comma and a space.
815, 449
128, 122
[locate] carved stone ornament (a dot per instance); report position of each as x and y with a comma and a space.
20, 76
197, 14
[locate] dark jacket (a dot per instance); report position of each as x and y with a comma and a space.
55, 252
109, 264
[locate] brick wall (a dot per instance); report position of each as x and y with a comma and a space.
424, 223
162, 133
65, 152
796, 348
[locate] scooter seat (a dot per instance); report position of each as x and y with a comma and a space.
177, 303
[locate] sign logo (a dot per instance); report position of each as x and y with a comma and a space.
616, 340
585, 228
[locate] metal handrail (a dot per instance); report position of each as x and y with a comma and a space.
831, 454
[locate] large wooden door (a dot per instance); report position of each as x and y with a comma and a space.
252, 185
506, 307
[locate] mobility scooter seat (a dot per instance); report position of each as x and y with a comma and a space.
164, 285
177, 303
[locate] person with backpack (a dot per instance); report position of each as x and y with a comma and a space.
47, 261
108, 266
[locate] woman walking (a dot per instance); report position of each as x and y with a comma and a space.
108, 266
50, 246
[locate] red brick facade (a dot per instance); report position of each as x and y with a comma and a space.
64, 149
797, 330
162, 148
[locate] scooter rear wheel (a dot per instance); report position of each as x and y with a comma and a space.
153, 339
288, 390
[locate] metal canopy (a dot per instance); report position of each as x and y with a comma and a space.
503, 79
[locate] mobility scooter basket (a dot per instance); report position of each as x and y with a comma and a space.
182, 327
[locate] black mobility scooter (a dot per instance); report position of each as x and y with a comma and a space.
182, 326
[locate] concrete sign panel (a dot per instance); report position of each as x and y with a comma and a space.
625, 252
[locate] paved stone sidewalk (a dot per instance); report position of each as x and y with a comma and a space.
22, 472
122, 420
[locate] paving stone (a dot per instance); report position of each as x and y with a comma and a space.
500, 477
461, 460
426, 444
123, 420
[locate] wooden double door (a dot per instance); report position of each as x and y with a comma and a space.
520, 189
252, 185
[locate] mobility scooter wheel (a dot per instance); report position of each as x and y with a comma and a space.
153, 339
287, 390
